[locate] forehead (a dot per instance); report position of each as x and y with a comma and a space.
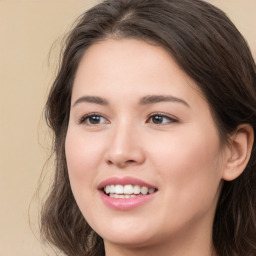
128, 66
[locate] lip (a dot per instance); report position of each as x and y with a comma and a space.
128, 203
125, 204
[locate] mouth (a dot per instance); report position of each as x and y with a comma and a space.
127, 191
123, 193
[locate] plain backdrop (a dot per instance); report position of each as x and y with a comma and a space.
29, 31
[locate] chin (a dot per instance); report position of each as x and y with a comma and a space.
129, 241
127, 236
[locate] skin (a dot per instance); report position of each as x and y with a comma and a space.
181, 155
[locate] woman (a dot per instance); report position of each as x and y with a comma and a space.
154, 114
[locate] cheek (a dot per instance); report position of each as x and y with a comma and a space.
190, 165
83, 157
83, 153
191, 150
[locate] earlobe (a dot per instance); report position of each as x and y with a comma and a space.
239, 152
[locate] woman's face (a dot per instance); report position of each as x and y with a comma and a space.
140, 129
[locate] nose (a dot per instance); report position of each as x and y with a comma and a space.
124, 148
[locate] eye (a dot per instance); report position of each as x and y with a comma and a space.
161, 119
93, 119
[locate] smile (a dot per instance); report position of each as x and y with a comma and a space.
127, 191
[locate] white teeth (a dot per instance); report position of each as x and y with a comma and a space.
107, 189
119, 189
151, 190
121, 196
112, 189
127, 191
136, 190
144, 190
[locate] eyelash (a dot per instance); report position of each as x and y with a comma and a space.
85, 118
163, 116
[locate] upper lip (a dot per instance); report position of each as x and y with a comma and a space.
124, 181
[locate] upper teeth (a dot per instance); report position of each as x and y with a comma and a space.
128, 189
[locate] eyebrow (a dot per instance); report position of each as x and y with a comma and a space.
150, 99
91, 99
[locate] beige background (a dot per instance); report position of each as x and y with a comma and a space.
28, 30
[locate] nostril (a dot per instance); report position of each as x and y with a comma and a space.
109, 162
130, 161
121, 163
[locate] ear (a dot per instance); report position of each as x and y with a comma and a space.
239, 152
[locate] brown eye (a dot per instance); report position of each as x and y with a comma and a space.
93, 119
161, 119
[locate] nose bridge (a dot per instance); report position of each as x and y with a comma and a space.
122, 134
124, 147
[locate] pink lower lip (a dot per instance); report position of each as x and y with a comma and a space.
125, 203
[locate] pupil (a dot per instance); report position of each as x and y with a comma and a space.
157, 119
94, 119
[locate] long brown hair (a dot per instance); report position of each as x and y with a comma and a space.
209, 48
